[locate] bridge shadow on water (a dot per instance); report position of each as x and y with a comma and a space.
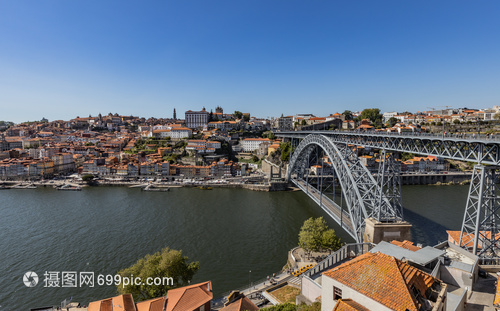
424, 230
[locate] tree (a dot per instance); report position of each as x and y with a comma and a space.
88, 178
255, 158
167, 263
392, 121
347, 114
315, 236
406, 156
374, 115
303, 122
456, 121
497, 116
237, 114
269, 135
285, 149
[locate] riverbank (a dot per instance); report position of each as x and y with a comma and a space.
446, 178
267, 187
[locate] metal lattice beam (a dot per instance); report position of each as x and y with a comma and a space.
481, 225
463, 149
389, 180
360, 190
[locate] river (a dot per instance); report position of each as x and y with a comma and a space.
229, 231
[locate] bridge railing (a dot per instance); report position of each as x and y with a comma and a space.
478, 137
346, 251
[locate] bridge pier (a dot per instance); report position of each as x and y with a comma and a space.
377, 231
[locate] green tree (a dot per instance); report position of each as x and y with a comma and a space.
285, 149
255, 158
374, 115
246, 117
456, 121
167, 263
315, 236
303, 122
347, 114
392, 121
88, 178
497, 116
237, 114
406, 156
269, 135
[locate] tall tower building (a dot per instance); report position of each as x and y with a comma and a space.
175, 115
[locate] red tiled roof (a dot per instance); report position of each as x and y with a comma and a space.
384, 279
242, 304
101, 305
348, 305
123, 303
406, 244
189, 297
118, 303
155, 304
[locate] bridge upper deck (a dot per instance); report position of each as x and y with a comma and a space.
466, 147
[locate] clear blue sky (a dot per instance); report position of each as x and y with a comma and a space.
60, 59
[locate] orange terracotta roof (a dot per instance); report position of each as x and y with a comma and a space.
384, 279
468, 239
189, 297
155, 304
348, 305
406, 244
118, 303
123, 303
101, 305
242, 304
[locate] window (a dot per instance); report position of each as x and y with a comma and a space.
337, 293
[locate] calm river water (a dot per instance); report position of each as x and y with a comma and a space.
229, 231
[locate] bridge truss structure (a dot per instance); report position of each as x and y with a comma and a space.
363, 196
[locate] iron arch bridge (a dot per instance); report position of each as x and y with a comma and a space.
363, 196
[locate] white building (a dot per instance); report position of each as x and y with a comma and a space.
173, 133
180, 132
252, 144
195, 119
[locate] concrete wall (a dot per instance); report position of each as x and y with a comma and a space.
310, 289
376, 231
456, 277
327, 302
428, 179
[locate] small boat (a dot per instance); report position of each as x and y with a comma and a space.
70, 188
205, 188
153, 188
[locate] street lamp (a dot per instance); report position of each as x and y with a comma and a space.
442, 120
478, 127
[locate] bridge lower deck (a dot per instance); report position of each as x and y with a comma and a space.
328, 205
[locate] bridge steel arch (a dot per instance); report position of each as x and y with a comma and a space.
364, 197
